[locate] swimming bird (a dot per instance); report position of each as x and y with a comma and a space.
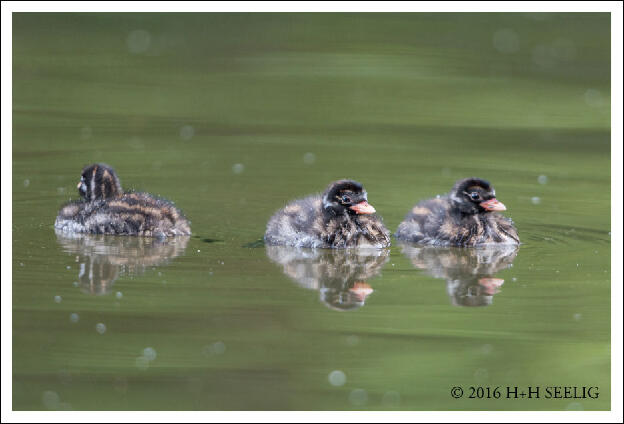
467, 216
339, 218
106, 209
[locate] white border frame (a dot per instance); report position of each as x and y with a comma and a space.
615, 8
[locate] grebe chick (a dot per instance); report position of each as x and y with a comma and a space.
467, 217
339, 218
106, 209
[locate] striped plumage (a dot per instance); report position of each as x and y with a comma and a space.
106, 209
466, 217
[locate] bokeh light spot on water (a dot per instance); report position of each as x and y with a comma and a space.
536, 200
119, 295
309, 158
337, 378
487, 349
58, 299
136, 143
506, 40
352, 340
74, 317
26, 182
391, 398
216, 348
142, 363
187, 132
564, 49
593, 98
577, 316
358, 397
138, 41
543, 56
574, 406
50, 399
86, 133
542, 179
481, 375
238, 168
100, 328
149, 353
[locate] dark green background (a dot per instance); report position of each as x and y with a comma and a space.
404, 103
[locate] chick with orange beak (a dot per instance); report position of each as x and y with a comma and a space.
341, 217
467, 216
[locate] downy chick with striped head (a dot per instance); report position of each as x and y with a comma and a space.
106, 209
339, 218
467, 216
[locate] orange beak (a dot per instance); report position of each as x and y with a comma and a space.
361, 289
78, 185
491, 284
493, 205
363, 208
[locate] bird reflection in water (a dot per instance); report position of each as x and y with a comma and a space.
469, 273
103, 259
340, 276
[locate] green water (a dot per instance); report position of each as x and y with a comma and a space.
230, 116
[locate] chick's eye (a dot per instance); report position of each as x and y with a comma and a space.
345, 199
474, 195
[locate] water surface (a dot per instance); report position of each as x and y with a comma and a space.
230, 116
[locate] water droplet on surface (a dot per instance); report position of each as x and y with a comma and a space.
309, 158
487, 348
337, 378
574, 406
391, 398
238, 168
542, 179
187, 132
352, 340
481, 375
138, 41
50, 399
358, 397
506, 40
142, 363
149, 353
543, 56
593, 98
86, 133
100, 328
58, 299
136, 143
563, 49
217, 348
